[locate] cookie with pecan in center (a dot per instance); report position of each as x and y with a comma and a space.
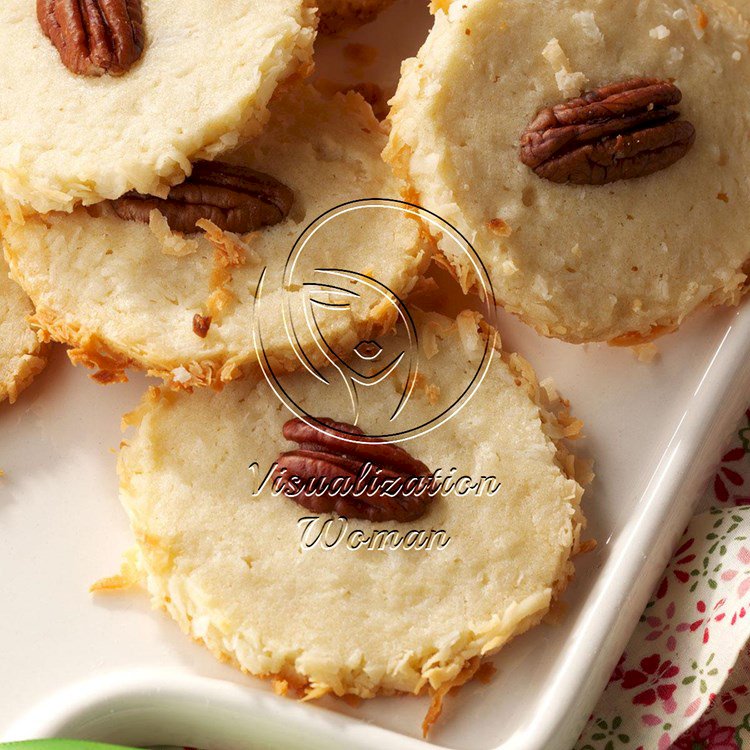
415, 586
595, 152
105, 96
169, 283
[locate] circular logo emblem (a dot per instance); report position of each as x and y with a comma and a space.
369, 380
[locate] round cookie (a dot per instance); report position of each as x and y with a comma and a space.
622, 261
202, 81
22, 356
337, 15
236, 571
126, 294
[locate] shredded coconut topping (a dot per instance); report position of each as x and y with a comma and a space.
568, 83
180, 375
659, 32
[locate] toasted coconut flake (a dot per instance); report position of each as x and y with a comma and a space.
230, 251
280, 687
588, 545
468, 323
550, 390
645, 352
218, 301
172, 243
109, 368
583, 473
315, 692
635, 338
134, 418
436, 705
122, 581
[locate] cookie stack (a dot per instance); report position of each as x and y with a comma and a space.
177, 197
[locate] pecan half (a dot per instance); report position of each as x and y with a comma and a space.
397, 488
94, 37
616, 132
235, 199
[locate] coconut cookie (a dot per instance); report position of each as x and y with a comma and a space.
21, 354
248, 576
128, 104
126, 290
595, 153
337, 15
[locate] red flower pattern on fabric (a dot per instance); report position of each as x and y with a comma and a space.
682, 556
654, 674
619, 671
667, 679
716, 615
662, 627
728, 700
726, 478
707, 735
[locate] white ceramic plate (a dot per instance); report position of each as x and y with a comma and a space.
656, 431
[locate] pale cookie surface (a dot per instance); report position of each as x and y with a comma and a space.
583, 262
125, 294
337, 15
234, 570
21, 354
204, 79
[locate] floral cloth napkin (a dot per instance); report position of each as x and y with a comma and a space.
684, 679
